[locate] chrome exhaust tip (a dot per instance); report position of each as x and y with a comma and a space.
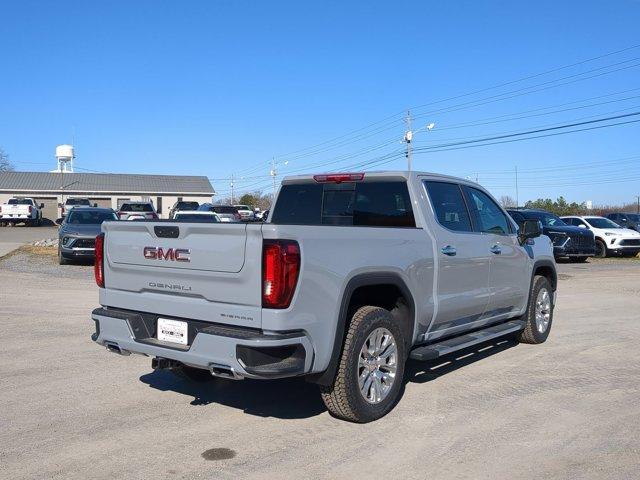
224, 371
115, 348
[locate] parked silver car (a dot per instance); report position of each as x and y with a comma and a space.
78, 231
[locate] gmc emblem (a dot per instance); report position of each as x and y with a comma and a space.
172, 254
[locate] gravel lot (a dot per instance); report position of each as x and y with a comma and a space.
566, 409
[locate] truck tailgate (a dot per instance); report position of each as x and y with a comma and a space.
209, 272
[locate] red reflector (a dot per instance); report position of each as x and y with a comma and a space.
98, 265
280, 269
339, 177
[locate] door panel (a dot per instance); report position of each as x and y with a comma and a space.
508, 281
463, 260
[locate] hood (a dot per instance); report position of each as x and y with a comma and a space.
84, 230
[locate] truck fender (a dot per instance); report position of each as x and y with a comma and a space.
326, 378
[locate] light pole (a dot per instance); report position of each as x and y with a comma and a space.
408, 137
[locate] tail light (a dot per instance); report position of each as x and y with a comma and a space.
280, 269
98, 265
62, 210
121, 214
30, 209
237, 216
154, 216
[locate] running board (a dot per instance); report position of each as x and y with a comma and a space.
435, 350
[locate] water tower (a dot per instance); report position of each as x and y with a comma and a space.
65, 156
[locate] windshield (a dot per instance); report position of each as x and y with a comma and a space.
19, 201
77, 201
193, 217
242, 207
547, 219
89, 217
601, 222
136, 207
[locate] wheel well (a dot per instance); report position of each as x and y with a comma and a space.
549, 273
389, 297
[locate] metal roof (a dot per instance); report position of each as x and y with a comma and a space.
104, 183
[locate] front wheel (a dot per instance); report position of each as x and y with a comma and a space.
601, 249
369, 377
539, 314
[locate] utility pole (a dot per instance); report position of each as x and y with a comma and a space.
638, 207
517, 199
408, 136
273, 174
232, 198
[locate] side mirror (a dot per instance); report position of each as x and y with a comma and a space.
529, 229
582, 225
59, 221
41, 206
95, 204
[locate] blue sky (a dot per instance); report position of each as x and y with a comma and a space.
220, 87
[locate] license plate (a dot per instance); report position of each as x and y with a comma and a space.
172, 331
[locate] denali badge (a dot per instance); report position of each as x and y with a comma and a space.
173, 254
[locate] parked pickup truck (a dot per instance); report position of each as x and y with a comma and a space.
351, 275
21, 210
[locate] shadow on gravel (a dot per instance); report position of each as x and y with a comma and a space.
285, 399
294, 398
422, 372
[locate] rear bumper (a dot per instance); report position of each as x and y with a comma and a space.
245, 352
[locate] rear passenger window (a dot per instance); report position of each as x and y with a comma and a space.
449, 206
373, 204
488, 214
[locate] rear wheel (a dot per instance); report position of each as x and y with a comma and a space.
539, 314
601, 249
369, 377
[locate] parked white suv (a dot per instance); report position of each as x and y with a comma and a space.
611, 238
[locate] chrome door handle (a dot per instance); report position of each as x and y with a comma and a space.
496, 249
449, 250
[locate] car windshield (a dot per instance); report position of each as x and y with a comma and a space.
601, 222
242, 207
193, 217
136, 207
77, 201
547, 219
90, 217
223, 209
19, 201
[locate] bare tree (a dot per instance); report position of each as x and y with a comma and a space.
507, 202
5, 164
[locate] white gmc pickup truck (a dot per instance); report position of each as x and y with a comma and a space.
352, 275
21, 210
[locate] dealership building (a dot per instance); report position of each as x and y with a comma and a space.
105, 189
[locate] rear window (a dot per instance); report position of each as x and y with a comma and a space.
224, 209
19, 201
187, 206
136, 207
373, 204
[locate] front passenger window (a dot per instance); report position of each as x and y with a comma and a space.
488, 215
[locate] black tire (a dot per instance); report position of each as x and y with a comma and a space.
601, 249
198, 375
531, 334
343, 399
61, 259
